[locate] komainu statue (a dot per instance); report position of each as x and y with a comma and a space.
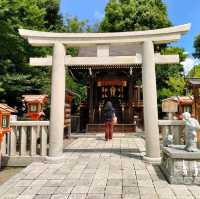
192, 126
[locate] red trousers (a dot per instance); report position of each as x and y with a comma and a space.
108, 130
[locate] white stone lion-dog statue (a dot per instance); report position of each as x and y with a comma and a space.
191, 128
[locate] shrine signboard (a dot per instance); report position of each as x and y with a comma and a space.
169, 106
111, 83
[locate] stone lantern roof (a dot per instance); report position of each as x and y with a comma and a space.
35, 98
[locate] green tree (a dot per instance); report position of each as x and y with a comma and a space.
165, 72
197, 47
53, 18
16, 76
73, 24
175, 87
194, 72
132, 15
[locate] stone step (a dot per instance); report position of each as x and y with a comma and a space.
118, 128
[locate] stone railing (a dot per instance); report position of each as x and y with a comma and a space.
27, 141
174, 127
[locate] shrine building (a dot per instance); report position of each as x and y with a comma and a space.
119, 83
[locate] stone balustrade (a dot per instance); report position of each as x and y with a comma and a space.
173, 127
27, 142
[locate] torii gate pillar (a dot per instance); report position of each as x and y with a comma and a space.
150, 104
57, 102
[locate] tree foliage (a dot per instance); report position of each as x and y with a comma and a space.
175, 87
16, 76
73, 24
130, 15
197, 47
194, 72
167, 71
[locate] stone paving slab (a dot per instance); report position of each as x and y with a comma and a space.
95, 169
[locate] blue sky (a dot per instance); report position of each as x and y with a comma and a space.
180, 12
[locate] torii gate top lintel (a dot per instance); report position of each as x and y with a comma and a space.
164, 35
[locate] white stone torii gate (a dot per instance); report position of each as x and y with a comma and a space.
147, 58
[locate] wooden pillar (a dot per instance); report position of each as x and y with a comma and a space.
138, 93
196, 98
67, 121
130, 98
91, 93
95, 101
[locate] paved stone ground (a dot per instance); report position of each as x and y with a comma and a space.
8, 172
95, 169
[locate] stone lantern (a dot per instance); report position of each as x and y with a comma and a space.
5, 113
35, 105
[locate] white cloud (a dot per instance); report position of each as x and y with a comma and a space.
189, 63
98, 15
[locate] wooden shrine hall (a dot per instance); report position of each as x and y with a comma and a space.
119, 83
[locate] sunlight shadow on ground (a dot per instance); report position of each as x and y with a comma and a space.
131, 153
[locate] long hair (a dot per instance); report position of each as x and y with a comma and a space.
108, 106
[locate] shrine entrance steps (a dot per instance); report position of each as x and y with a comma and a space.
118, 128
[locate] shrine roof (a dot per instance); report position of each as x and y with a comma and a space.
105, 66
114, 50
6, 108
35, 98
193, 82
181, 99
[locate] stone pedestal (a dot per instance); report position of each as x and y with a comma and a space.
180, 166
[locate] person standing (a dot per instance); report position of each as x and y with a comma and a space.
108, 116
